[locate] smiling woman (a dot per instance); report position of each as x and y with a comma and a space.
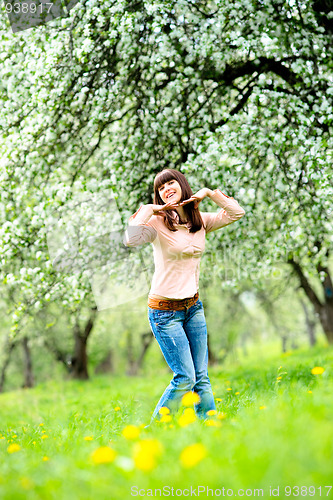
177, 230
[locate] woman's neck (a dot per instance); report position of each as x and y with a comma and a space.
181, 213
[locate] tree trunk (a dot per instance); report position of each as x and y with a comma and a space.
324, 308
10, 348
212, 358
280, 329
134, 365
28, 374
106, 366
80, 359
130, 356
147, 339
310, 323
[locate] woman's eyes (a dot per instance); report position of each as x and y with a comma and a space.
162, 187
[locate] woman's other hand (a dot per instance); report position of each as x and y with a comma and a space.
196, 198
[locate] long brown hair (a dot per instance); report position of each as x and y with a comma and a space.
193, 214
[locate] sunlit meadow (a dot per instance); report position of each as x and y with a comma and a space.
87, 440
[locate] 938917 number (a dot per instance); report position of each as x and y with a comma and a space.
25, 8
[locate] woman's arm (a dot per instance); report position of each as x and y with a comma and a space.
138, 231
142, 215
231, 211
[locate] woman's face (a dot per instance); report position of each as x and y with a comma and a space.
170, 191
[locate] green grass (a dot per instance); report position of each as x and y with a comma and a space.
273, 434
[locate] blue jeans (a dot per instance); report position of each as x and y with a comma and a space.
182, 337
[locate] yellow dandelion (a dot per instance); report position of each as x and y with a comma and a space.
317, 370
12, 448
237, 393
145, 454
221, 415
41, 425
188, 417
192, 455
278, 378
45, 459
117, 408
210, 413
218, 399
34, 442
166, 418
164, 410
262, 407
14, 436
212, 423
310, 392
44, 436
103, 455
88, 438
43, 432
2, 437
229, 389
214, 393
131, 432
190, 398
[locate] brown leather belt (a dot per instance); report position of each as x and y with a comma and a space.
176, 305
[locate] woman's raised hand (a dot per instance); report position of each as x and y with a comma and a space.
168, 206
197, 197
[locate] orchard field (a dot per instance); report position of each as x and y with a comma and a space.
83, 440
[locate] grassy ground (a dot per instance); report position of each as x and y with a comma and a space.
273, 430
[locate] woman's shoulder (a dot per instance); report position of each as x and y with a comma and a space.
156, 221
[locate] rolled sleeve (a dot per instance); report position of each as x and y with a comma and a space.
231, 212
140, 228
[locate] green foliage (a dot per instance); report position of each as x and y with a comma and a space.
229, 93
237, 95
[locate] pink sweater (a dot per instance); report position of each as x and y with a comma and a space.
177, 254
